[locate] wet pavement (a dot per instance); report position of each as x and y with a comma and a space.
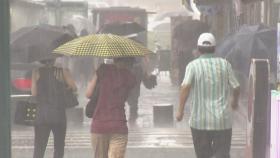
149, 142
145, 140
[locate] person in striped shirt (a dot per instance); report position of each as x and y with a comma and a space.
214, 94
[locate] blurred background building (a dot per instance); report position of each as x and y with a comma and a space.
226, 16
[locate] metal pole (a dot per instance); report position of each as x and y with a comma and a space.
58, 12
5, 124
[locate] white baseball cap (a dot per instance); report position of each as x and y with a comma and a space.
206, 40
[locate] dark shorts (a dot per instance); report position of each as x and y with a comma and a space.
210, 144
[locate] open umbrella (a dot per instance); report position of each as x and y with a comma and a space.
190, 30
103, 45
35, 43
257, 41
180, 12
122, 28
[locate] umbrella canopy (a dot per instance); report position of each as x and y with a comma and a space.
103, 45
249, 42
180, 12
122, 28
160, 26
35, 43
190, 30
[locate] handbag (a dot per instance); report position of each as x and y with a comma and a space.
91, 105
25, 113
69, 97
150, 81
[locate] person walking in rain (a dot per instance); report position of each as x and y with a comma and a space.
149, 81
109, 125
82, 67
209, 80
50, 114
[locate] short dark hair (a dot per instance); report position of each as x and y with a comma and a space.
124, 59
204, 50
47, 61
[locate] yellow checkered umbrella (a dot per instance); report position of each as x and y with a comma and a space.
102, 45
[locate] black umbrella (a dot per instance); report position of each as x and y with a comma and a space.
122, 28
249, 42
190, 30
36, 43
164, 15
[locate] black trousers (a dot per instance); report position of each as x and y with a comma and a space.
42, 133
132, 102
212, 144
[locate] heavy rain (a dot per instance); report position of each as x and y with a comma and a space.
139, 79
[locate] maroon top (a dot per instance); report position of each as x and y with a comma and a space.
115, 84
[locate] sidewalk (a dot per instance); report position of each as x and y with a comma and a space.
145, 141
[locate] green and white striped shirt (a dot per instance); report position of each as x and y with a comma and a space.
211, 80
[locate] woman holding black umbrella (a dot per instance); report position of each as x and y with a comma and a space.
50, 114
